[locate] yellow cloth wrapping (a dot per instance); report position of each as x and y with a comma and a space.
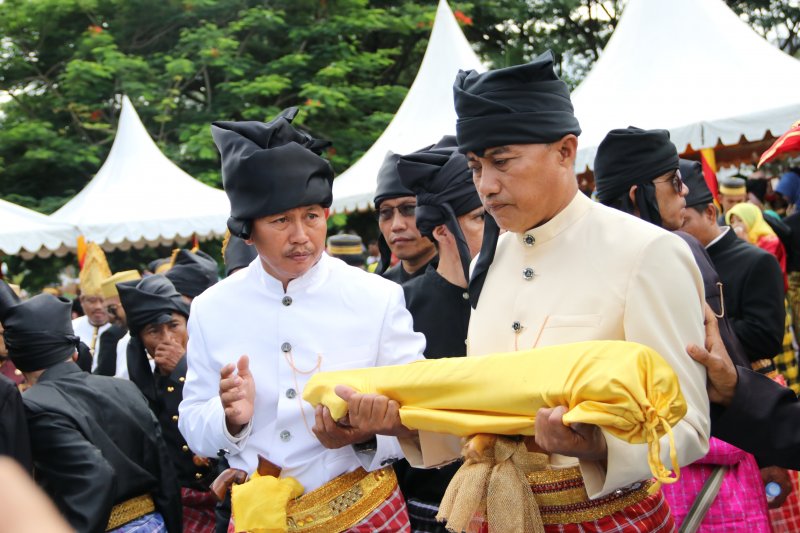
259, 505
624, 387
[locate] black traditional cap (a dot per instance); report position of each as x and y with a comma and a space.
38, 332
236, 253
8, 299
523, 104
442, 182
389, 186
631, 156
347, 247
268, 168
151, 301
692, 175
193, 272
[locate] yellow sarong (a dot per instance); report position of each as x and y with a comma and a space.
624, 387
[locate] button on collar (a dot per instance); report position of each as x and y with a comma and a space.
287, 301
529, 239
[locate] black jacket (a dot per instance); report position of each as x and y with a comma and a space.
164, 394
441, 312
754, 295
14, 440
96, 444
399, 275
715, 293
763, 419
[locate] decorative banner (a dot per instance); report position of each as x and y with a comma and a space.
788, 142
81, 251
709, 161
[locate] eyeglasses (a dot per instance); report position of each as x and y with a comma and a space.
676, 179
387, 213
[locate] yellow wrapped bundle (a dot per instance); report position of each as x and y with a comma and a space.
624, 387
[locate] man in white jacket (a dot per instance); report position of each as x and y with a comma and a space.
256, 337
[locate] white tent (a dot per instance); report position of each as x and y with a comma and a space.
140, 198
426, 114
692, 67
28, 233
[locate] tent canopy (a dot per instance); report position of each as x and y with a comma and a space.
426, 114
692, 67
140, 198
28, 233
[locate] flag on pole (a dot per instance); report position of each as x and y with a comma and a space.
788, 142
709, 162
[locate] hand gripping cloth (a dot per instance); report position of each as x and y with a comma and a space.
626, 388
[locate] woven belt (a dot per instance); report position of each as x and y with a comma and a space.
562, 497
130, 510
342, 502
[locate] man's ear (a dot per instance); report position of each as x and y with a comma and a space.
440, 233
710, 213
327, 212
567, 148
632, 194
75, 357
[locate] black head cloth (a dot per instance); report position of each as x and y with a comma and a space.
269, 168
442, 182
38, 332
523, 104
692, 174
193, 272
151, 301
388, 187
236, 253
8, 299
631, 156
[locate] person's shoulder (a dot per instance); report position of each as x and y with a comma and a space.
77, 322
634, 231
359, 278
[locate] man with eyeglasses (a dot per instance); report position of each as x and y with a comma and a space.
639, 172
395, 206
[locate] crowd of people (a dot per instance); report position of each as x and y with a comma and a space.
174, 401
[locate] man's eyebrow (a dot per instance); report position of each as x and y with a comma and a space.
496, 151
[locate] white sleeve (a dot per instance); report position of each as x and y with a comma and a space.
201, 416
664, 310
399, 343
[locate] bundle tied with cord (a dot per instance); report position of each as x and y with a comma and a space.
626, 388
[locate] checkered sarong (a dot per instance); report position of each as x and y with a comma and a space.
786, 518
650, 515
198, 510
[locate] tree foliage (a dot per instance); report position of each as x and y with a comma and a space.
185, 63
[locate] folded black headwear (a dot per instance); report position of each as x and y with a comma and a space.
151, 301
442, 182
692, 175
268, 168
8, 299
523, 104
631, 156
388, 186
38, 332
237, 254
193, 272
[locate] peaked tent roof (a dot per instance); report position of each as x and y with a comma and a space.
690, 66
28, 233
140, 198
426, 114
